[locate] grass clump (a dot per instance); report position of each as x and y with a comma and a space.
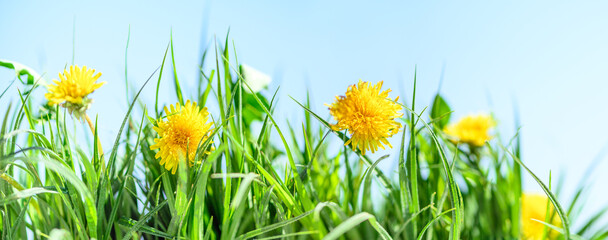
185, 173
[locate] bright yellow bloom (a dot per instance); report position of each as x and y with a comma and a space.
73, 89
472, 129
534, 206
180, 134
368, 114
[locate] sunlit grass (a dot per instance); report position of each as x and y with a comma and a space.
237, 186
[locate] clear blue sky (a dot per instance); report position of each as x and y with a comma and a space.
549, 57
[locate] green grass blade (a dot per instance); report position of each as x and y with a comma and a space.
178, 89
415, 215
208, 232
560, 230
122, 126
386, 182
108, 173
140, 223
144, 228
160, 75
288, 235
271, 227
365, 204
353, 222
126, 77
19, 220
455, 194
237, 207
413, 167
89, 204
7, 88
26, 193
549, 194
114, 211
307, 204
431, 223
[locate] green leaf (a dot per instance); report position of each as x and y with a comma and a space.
22, 70
440, 112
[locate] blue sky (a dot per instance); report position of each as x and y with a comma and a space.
548, 57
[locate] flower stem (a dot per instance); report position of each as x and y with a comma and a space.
92, 127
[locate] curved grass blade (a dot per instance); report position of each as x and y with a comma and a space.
353, 222
415, 215
144, 229
24, 194
89, 203
558, 207
271, 227
178, 89
140, 223
20, 217
21, 70
455, 194
306, 203
386, 182
7, 88
122, 126
237, 208
560, 230
286, 236
160, 75
109, 171
414, 204
431, 223
123, 185
367, 185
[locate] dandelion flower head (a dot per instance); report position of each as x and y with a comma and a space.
534, 206
73, 88
180, 134
472, 129
368, 114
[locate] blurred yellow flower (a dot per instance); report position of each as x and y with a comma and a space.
73, 89
180, 134
472, 129
534, 206
368, 114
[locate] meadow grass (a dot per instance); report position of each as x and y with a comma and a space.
52, 186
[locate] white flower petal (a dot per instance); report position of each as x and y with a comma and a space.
255, 79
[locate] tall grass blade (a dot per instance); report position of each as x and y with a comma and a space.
178, 89
549, 194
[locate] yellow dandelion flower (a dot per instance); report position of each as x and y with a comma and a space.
368, 114
534, 206
180, 134
472, 129
73, 88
